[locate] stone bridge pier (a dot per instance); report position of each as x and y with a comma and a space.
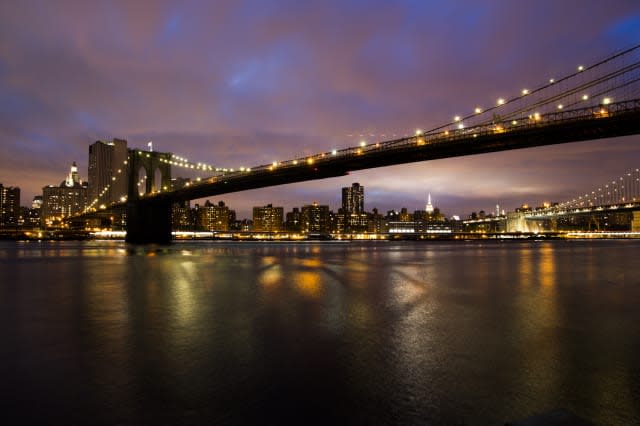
148, 212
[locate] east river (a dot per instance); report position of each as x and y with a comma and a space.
319, 333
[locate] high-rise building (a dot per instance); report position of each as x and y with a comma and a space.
9, 205
105, 159
67, 199
211, 217
267, 218
429, 206
352, 217
315, 219
353, 199
293, 222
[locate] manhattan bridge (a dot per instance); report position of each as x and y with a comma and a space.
594, 101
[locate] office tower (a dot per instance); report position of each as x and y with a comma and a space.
267, 218
67, 199
9, 205
293, 221
211, 217
315, 219
429, 206
353, 199
105, 159
352, 217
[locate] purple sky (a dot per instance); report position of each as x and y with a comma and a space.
236, 83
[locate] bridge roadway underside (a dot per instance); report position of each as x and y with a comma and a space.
622, 124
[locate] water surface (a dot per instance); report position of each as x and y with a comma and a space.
319, 333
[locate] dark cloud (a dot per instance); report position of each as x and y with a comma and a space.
246, 83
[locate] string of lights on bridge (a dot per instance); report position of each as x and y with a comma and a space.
622, 190
600, 98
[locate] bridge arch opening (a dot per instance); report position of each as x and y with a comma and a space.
157, 180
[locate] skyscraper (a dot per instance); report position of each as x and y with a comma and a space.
353, 199
9, 204
351, 216
67, 199
429, 206
315, 219
105, 159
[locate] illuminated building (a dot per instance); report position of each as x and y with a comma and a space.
352, 217
105, 159
353, 199
67, 199
268, 218
183, 218
315, 219
429, 206
376, 222
293, 222
211, 217
9, 205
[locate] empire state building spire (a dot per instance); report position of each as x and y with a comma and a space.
429, 207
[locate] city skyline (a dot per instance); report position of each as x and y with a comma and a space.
197, 83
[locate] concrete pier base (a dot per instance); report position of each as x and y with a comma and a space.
148, 222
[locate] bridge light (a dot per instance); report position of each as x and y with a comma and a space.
581, 68
478, 110
585, 97
363, 143
309, 160
334, 152
295, 162
606, 101
536, 116
551, 81
501, 101
460, 126
560, 106
418, 132
456, 118
525, 92
514, 122
248, 169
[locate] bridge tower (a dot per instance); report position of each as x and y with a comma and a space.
148, 214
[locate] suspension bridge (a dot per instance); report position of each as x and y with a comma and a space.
596, 101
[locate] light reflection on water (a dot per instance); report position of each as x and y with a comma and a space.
392, 333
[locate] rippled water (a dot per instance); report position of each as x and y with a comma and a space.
319, 333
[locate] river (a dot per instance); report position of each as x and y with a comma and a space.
101, 332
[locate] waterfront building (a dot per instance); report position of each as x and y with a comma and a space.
211, 217
353, 199
293, 222
105, 159
315, 219
9, 205
351, 217
67, 199
183, 217
375, 222
268, 218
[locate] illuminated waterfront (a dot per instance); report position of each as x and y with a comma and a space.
376, 332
